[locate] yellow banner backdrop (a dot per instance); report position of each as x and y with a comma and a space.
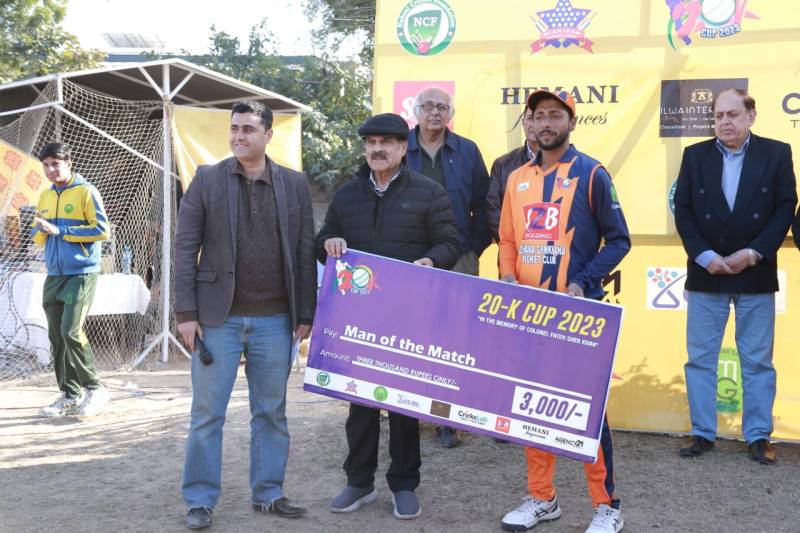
643, 75
201, 138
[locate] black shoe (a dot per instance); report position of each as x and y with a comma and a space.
448, 436
697, 447
762, 451
281, 507
198, 518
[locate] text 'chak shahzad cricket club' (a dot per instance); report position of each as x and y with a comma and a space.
349, 388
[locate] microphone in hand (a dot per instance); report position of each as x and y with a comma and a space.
205, 356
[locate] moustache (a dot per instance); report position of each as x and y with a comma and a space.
378, 155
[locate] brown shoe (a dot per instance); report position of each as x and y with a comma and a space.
281, 507
697, 447
762, 451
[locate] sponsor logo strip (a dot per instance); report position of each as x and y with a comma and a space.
359, 388
555, 438
522, 430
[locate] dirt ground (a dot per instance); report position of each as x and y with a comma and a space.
121, 470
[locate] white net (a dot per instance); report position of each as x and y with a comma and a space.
126, 313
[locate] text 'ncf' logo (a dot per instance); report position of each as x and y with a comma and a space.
426, 27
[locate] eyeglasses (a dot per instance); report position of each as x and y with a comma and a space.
430, 106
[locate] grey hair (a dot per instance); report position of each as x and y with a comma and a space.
450, 102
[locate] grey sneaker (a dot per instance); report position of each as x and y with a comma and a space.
63, 406
198, 518
351, 498
94, 402
406, 505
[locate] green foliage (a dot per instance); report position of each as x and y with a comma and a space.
338, 92
32, 42
342, 19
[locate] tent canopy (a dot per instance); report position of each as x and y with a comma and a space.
191, 84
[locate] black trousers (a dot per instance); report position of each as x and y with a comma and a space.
363, 431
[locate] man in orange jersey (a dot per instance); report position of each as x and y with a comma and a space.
557, 210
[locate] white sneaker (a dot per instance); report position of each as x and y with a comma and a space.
63, 406
529, 513
95, 400
606, 520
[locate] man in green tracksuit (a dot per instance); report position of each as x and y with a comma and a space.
70, 224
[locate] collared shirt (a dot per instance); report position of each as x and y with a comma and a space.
732, 169
260, 287
380, 190
732, 163
265, 176
531, 153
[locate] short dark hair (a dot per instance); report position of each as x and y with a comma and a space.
56, 150
748, 101
257, 108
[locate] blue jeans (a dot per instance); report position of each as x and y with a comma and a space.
266, 344
755, 331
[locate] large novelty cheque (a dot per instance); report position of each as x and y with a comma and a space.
523, 364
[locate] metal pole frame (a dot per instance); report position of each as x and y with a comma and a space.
165, 336
167, 95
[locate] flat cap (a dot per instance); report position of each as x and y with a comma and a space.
384, 124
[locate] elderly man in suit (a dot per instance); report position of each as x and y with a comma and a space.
253, 285
734, 203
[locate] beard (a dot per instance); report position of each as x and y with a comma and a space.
556, 142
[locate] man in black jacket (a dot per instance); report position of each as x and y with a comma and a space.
734, 203
392, 211
503, 166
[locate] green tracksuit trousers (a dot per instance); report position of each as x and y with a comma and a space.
66, 301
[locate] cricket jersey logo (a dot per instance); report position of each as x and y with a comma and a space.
542, 221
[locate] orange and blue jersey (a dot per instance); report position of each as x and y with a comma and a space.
77, 210
553, 223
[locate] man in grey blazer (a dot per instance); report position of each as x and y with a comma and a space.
251, 291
